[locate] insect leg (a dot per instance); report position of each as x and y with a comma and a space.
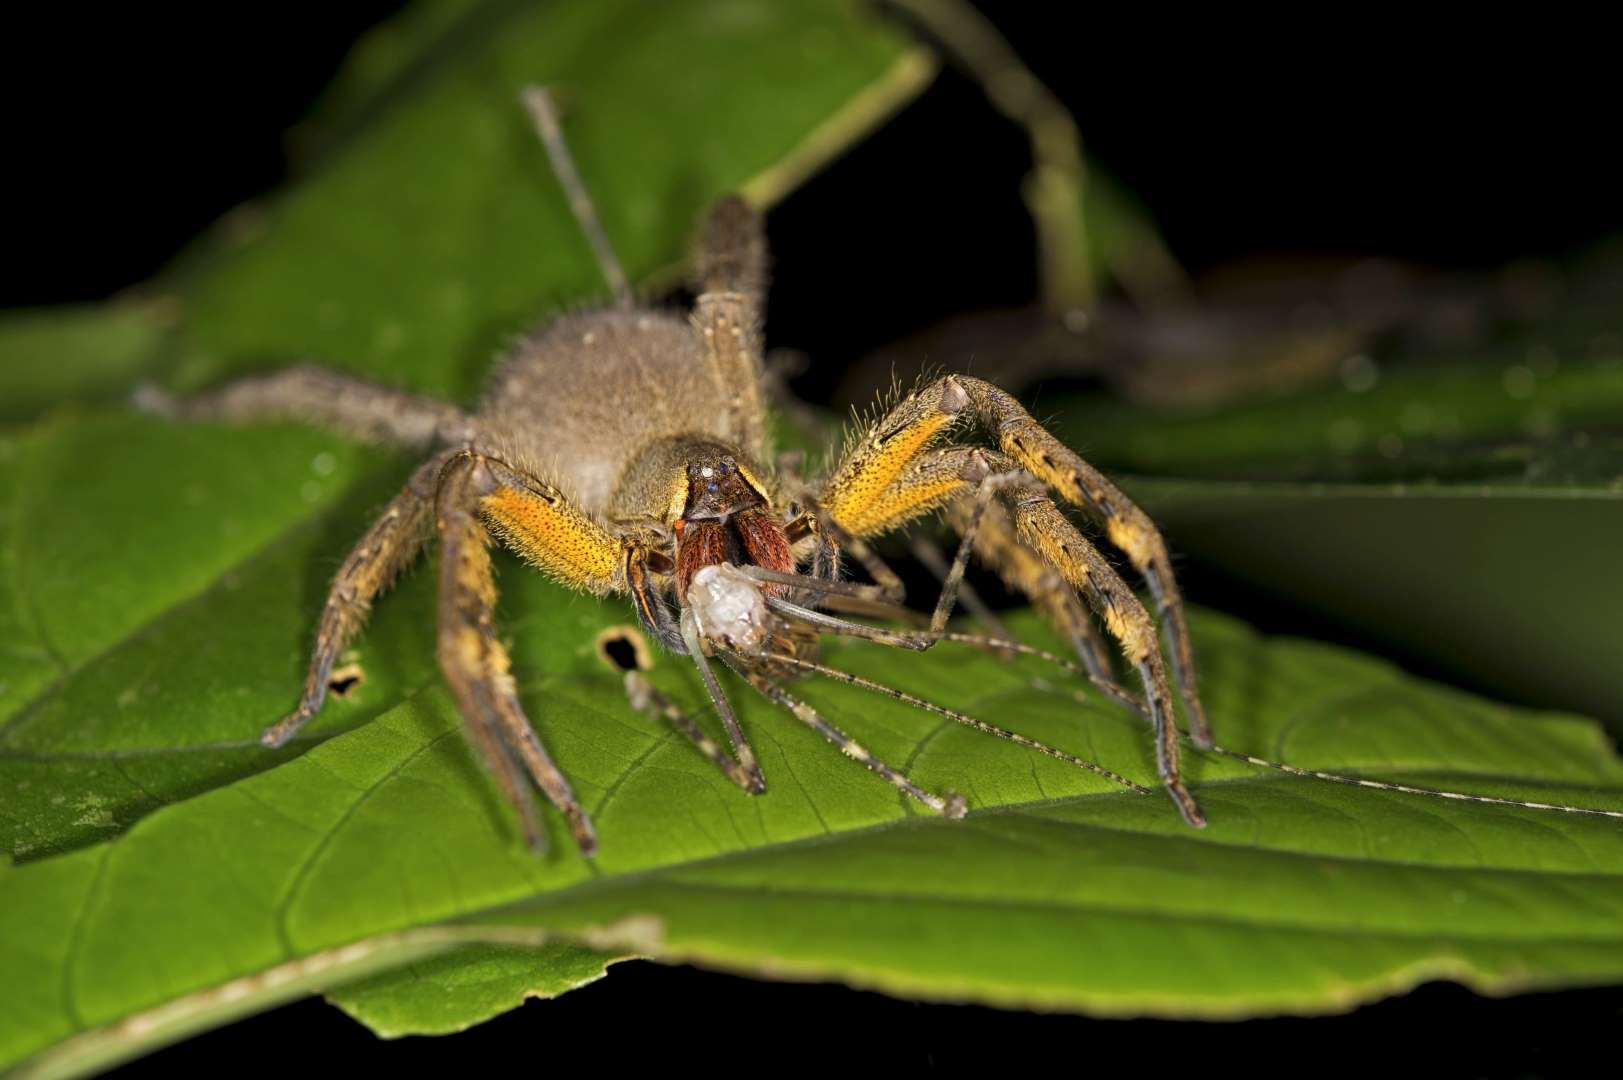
957, 717
328, 399
718, 698
646, 698
390, 545
949, 805
475, 664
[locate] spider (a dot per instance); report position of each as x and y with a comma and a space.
624, 451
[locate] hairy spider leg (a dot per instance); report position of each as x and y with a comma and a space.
889, 476
326, 399
475, 665
922, 417
540, 524
729, 311
1130, 529
389, 546
1024, 571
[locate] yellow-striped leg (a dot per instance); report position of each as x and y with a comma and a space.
864, 494
937, 477
391, 544
475, 664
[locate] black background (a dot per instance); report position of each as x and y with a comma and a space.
1465, 143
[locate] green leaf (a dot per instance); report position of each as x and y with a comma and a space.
1493, 560
157, 584
454, 991
81, 350
1448, 429
429, 236
427, 240
1060, 890
1462, 506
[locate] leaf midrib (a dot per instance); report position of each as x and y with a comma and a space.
977, 903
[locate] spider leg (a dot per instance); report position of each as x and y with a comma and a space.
1129, 528
327, 399
865, 496
728, 313
1021, 569
1040, 523
475, 665
930, 555
391, 544
544, 115
925, 481
949, 805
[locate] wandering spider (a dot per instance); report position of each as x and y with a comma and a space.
662, 491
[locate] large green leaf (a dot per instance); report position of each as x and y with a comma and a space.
1060, 890
425, 238
157, 584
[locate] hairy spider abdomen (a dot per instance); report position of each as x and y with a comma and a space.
584, 396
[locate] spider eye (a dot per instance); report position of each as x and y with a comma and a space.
710, 487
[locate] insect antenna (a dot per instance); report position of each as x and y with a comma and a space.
954, 715
544, 113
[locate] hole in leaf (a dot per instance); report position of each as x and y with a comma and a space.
345, 679
623, 648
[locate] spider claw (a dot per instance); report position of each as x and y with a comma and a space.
956, 806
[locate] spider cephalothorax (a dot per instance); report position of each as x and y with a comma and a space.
728, 519
658, 485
